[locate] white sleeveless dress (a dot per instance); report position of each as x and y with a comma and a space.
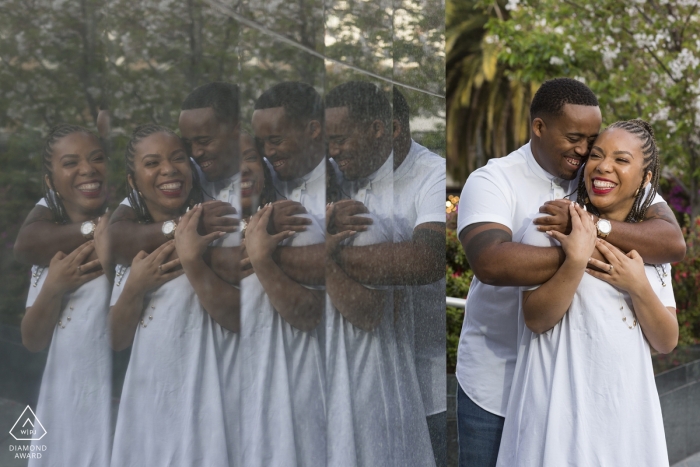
171, 411
76, 387
584, 392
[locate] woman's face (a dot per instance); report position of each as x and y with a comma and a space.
252, 175
162, 174
79, 175
614, 172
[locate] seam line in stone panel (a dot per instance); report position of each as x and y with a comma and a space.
226, 10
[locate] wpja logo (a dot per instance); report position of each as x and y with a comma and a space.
28, 427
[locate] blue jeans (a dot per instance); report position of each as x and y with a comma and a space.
479, 433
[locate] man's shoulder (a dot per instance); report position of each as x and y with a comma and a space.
504, 167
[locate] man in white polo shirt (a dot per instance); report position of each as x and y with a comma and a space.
497, 204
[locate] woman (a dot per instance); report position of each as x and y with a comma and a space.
283, 409
171, 409
584, 391
67, 308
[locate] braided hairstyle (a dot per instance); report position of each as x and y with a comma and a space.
645, 133
52, 197
134, 195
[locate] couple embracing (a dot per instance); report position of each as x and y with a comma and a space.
570, 244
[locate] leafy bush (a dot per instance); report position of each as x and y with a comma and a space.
686, 286
459, 277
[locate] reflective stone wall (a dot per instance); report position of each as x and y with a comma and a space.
234, 218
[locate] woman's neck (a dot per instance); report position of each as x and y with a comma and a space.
616, 213
77, 216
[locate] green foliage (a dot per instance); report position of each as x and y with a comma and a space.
686, 287
458, 276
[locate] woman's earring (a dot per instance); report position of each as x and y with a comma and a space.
586, 200
636, 192
140, 194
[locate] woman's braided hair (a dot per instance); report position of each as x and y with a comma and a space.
134, 195
644, 132
52, 197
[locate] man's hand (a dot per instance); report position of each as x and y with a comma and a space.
215, 217
285, 217
189, 244
559, 218
344, 217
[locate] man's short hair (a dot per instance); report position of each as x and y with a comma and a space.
551, 97
222, 97
365, 102
401, 110
300, 101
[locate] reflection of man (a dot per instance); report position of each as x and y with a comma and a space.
284, 407
497, 204
419, 204
358, 125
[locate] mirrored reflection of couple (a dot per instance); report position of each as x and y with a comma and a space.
213, 271
570, 243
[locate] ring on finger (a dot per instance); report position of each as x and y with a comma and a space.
160, 269
611, 268
79, 269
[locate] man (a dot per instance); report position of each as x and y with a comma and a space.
400, 247
284, 405
497, 204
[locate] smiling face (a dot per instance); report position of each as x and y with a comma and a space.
286, 143
79, 175
212, 143
355, 147
163, 175
252, 174
564, 140
614, 172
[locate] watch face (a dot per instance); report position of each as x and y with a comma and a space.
87, 227
168, 227
604, 226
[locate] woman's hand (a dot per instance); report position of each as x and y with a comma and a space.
189, 244
580, 243
625, 271
259, 243
151, 271
68, 272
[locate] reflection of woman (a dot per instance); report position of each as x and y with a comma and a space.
67, 309
171, 410
283, 405
584, 391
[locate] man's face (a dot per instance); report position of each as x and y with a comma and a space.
353, 146
284, 142
565, 140
212, 143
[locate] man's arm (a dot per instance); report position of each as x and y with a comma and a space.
128, 237
417, 262
40, 238
497, 260
304, 264
658, 239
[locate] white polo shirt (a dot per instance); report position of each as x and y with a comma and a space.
507, 191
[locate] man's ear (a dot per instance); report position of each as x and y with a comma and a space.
314, 129
538, 126
396, 128
377, 129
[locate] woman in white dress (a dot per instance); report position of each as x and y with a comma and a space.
67, 309
171, 411
583, 392
283, 402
